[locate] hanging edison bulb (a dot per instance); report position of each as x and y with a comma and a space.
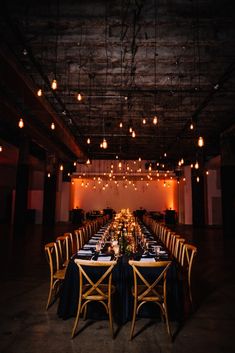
139, 159
120, 165
54, 84
182, 161
155, 120
101, 144
52, 126
88, 161
74, 163
21, 123
88, 141
121, 124
165, 154
48, 175
144, 121
39, 92
130, 129
196, 166
61, 167
198, 179
133, 134
105, 144
191, 126
200, 141
0, 148
79, 97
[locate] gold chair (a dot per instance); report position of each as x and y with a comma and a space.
153, 290
56, 272
99, 290
63, 249
189, 252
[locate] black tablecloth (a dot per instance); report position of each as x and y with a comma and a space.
122, 301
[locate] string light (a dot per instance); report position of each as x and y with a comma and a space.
21, 123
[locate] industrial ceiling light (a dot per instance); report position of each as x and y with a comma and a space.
39, 92
54, 84
104, 143
21, 123
155, 120
200, 141
79, 97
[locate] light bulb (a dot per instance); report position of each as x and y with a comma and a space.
105, 144
133, 134
200, 141
155, 120
79, 97
101, 144
198, 179
21, 123
61, 167
39, 92
74, 163
52, 126
121, 125
0, 148
130, 129
48, 175
88, 161
139, 159
196, 165
191, 126
54, 84
88, 141
165, 154
182, 161
144, 121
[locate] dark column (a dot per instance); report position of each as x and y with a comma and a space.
227, 184
22, 184
49, 200
198, 201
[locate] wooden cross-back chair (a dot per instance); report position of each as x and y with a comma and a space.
99, 289
150, 290
56, 272
63, 249
189, 252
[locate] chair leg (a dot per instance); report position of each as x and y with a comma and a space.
77, 319
133, 319
49, 298
167, 321
110, 318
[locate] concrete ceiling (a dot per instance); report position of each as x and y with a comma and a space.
130, 60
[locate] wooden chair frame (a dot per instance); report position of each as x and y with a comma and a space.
94, 290
150, 292
56, 272
189, 252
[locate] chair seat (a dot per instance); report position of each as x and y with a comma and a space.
59, 274
95, 295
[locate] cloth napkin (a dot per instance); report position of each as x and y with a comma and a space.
104, 258
147, 259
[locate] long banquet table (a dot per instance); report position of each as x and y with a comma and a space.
123, 280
